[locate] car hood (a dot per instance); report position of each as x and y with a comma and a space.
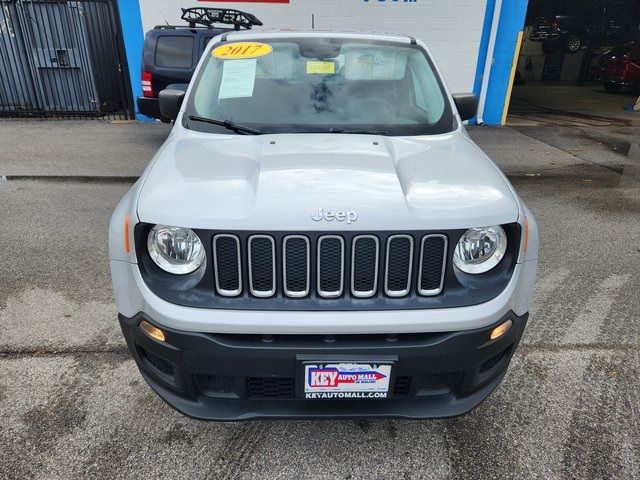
361, 182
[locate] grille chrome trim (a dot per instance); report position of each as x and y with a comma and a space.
227, 293
431, 293
262, 293
339, 292
291, 293
405, 291
369, 293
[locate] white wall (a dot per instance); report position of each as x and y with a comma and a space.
451, 28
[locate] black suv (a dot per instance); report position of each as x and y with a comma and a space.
573, 24
171, 52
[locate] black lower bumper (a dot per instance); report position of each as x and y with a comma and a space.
544, 37
240, 377
150, 106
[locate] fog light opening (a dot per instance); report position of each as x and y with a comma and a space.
152, 331
501, 329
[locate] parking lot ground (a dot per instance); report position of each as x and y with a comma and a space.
568, 104
72, 404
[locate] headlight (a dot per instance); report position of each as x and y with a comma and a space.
176, 250
480, 249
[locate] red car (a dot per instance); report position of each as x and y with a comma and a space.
620, 67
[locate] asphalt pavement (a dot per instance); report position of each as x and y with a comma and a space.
73, 405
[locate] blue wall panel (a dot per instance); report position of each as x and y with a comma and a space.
484, 44
512, 18
133, 36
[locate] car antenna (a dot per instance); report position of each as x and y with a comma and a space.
313, 21
163, 17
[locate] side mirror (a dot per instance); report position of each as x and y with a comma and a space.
467, 105
170, 102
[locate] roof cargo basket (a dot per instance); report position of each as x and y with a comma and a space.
209, 16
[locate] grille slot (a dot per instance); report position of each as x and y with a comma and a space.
439, 383
330, 266
402, 387
364, 266
296, 266
397, 280
227, 266
159, 363
216, 385
262, 266
272, 388
433, 257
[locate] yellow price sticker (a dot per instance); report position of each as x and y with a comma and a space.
316, 67
237, 50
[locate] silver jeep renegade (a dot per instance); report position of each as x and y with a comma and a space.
319, 237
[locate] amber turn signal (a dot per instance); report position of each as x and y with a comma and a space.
127, 242
152, 331
501, 330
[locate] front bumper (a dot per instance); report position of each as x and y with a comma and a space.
239, 377
544, 37
612, 76
150, 107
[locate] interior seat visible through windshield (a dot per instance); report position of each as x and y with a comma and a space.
358, 85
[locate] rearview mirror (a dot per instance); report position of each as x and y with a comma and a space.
467, 105
170, 102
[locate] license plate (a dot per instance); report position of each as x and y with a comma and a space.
325, 381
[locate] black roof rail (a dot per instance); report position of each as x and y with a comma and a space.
209, 16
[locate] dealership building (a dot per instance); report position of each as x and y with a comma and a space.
462, 34
530, 62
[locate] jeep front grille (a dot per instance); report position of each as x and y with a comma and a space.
361, 266
227, 263
296, 266
397, 280
262, 266
330, 266
432, 263
364, 266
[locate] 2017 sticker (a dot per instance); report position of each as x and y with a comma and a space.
238, 50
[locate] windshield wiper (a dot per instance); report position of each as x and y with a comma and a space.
227, 124
355, 132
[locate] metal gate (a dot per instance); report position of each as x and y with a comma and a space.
62, 58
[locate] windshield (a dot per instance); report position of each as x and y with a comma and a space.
320, 85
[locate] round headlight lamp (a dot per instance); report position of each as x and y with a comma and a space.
175, 250
480, 249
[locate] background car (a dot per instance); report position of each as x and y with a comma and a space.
576, 24
171, 52
620, 67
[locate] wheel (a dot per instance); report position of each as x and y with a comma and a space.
573, 43
549, 48
612, 87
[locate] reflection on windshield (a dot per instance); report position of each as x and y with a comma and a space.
352, 87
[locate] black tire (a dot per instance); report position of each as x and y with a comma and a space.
573, 44
612, 87
549, 48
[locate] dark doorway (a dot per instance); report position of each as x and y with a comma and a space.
62, 58
579, 63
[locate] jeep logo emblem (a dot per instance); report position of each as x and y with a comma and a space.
339, 216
